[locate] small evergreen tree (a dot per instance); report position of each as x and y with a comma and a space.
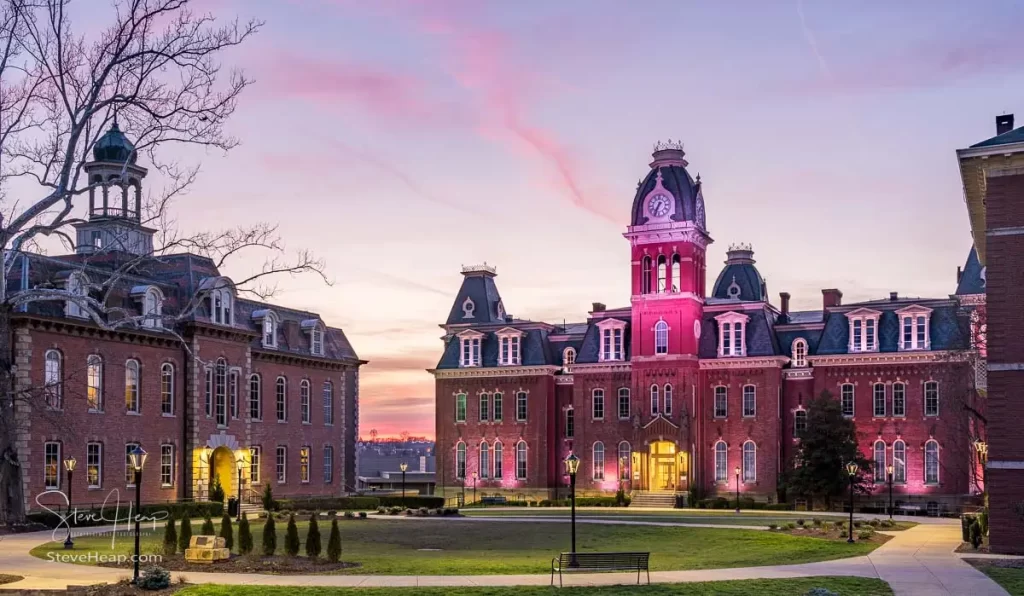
245, 536
291, 538
269, 537
976, 536
313, 538
185, 535
334, 543
227, 532
170, 538
208, 529
268, 497
216, 491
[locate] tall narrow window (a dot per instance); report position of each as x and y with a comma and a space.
485, 407
51, 465
922, 331
521, 460
721, 462
76, 286
497, 460
726, 339
54, 380
282, 464
166, 465
662, 273
799, 422
721, 402
269, 332
931, 398
899, 400
598, 403
624, 460
568, 359
167, 389
863, 330
521, 406
611, 344
152, 307
209, 393
304, 405
661, 337
317, 341
282, 399
304, 465
328, 403
470, 351
599, 461
667, 410
749, 401
460, 407
255, 398
497, 407
899, 461
485, 460
570, 423
222, 392
623, 403
931, 462
328, 464
880, 463
255, 459
799, 353
879, 399
869, 334
94, 388
655, 399
233, 393
94, 464
749, 462
131, 386
846, 399
508, 353
460, 460
129, 471
645, 276
677, 273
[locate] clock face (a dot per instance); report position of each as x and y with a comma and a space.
659, 205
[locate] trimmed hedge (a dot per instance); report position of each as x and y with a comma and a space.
585, 502
102, 517
411, 502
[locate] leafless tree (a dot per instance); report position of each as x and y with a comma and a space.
155, 71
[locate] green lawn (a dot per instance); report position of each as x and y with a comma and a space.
752, 518
451, 547
847, 586
1011, 579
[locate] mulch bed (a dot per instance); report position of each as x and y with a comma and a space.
8, 579
118, 589
275, 565
810, 531
1002, 563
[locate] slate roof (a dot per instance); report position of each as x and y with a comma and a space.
479, 287
1013, 136
536, 350
740, 273
971, 281
589, 350
947, 330
677, 181
760, 336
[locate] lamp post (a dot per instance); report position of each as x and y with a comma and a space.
572, 465
622, 473
138, 460
982, 448
403, 467
737, 470
474, 487
890, 470
240, 464
69, 467
851, 469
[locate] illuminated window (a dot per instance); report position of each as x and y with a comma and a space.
131, 386
54, 379
749, 462
51, 465
599, 461
94, 383
721, 462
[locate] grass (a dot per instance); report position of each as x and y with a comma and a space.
1012, 580
847, 586
383, 546
752, 518
9, 579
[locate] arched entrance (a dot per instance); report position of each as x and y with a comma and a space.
222, 467
662, 466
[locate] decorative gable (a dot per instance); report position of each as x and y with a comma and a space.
612, 333
732, 328
915, 326
863, 329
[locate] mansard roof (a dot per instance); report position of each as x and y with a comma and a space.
972, 280
590, 349
947, 330
478, 300
536, 350
759, 335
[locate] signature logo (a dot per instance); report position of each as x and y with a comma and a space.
72, 516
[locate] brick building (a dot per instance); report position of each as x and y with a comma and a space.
183, 366
685, 389
992, 172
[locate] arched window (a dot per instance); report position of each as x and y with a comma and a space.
645, 276
654, 400
167, 389
131, 386
460, 407
677, 273
878, 397
222, 392
304, 406
846, 399
624, 460
899, 461
77, 285
749, 401
54, 380
328, 402
282, 399
667, 410
485, 460
799, 422
661, 337
521, 460
662, 273
799, 352
233, 393
880, 464
598, 404
497, 460
931, 462
152, 308
460, 460
749, 462
721, 462
94, 384
599, 461
623, 403
221, 300
899, 400
270, 323
931, 398
255, 401
568, 358
570, 422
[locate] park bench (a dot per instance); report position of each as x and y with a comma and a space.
593, 562
206, 549
495, 500
909, 509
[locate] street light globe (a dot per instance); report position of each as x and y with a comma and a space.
70, 463
890, 469
852, 468
737, 470
474, 476
572, 464
403, 466
981, 447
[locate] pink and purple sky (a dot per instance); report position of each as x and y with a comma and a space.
402, 139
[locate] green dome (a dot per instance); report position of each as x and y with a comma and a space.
113, 146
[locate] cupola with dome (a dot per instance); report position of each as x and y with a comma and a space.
114, 147
668, 193
740, 280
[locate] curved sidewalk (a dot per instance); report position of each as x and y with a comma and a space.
915, 561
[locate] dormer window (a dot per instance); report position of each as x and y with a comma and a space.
77, 285
568, 359
151, 301
612, 332
732, 334
469, 348
268, 322
222, 298
509, 347
799, 352
316, 335
914, 333
863, 330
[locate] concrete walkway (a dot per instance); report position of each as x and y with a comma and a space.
919, 561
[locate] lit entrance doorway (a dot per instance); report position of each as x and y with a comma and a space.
223, 468
662, 468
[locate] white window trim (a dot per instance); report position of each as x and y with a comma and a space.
661, 328
597, 471
714, 402
743, 463
714, 451
163, 370
255, 464
885, 401
880, 473
568, 359
474, 340
77, 284
611, 326
89, 361
514, 337
225, 313
666, 400
593, 404
309, 463
902, 386
799, 361
903, 462
143, 295
162, 483
924, 398
863, 315
525, 460
99, 467
328, 464
281, 464
743, 401
306, 401
938, 463
623, 392
912, 312
264, 317
738, 324
58, 475
655, 399
526, 410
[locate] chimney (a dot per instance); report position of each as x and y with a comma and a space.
959, 274
894, 296
784, 299
831, 297
598, 307
1004, 123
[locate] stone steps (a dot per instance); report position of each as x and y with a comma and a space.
653, 499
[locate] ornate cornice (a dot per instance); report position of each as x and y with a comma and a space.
872, 358
563, 380
306, 360
748, 362
668, 231
85, 328
601, 367
502, 371
798, 373
972, 299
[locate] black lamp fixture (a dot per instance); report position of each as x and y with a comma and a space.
572, 465
851, 468
69, 467
137, 458
403, 467
737, 470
